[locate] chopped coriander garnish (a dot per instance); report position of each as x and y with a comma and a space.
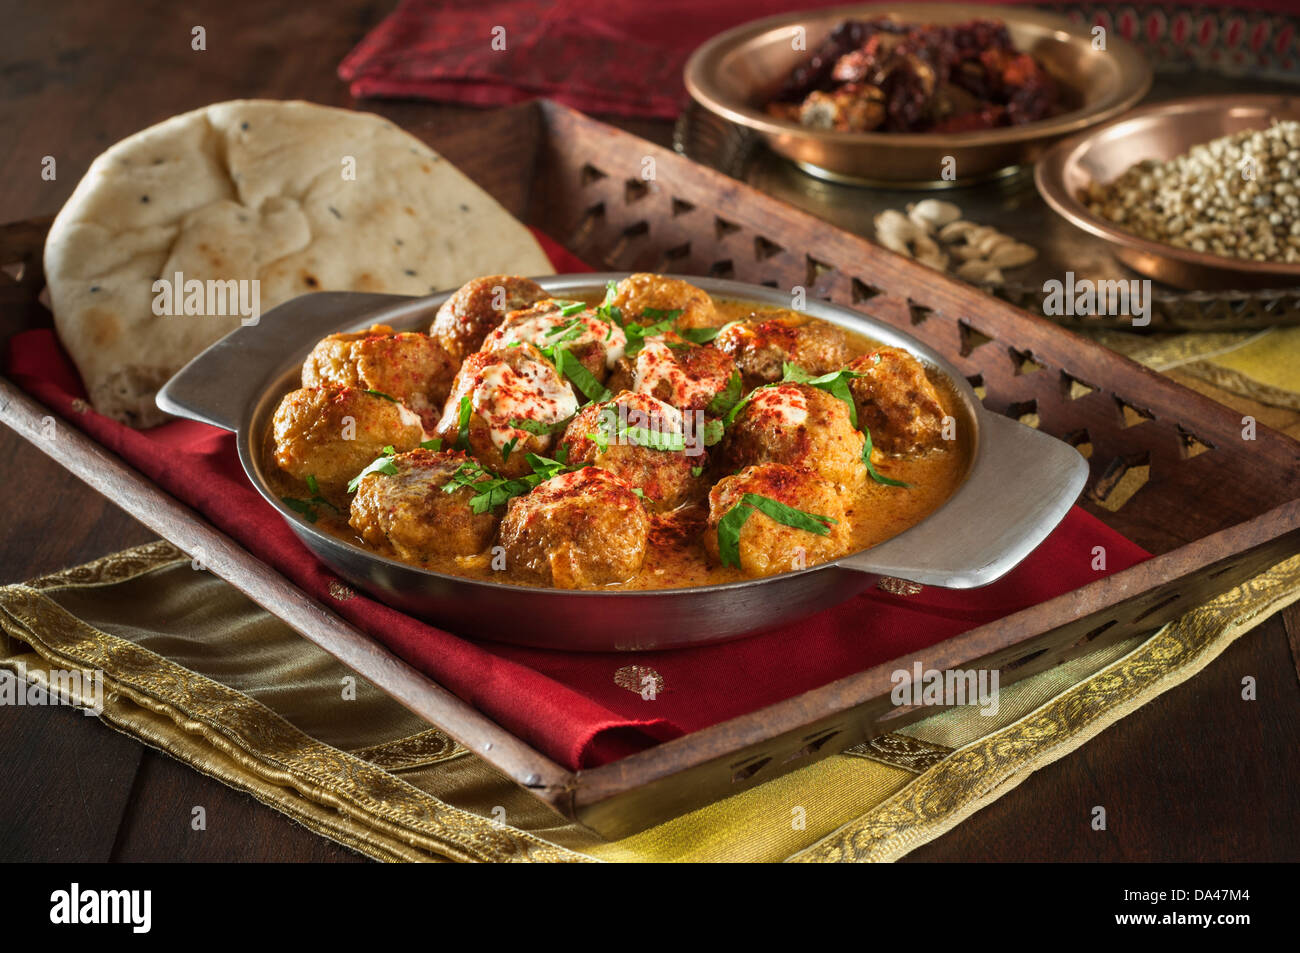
572, 368
566, 332
508, 449
637, 335
462, 429
734, 520
300, 506
699, 335
665, 441
713, 432
740, 405
659, 314
380, 464
654, 439
380, 393
871, 467
308, 507
725, 400
835, 383
569, 308
435, 444
537, 428
491, 490
697, 471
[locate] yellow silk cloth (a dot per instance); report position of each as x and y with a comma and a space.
1248, 368
240, 696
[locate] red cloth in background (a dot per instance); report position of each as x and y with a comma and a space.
567, 704
625, 57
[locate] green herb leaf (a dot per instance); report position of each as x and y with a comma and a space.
492, 491
713, 432
569, 308
697, 471
638, 334
835, 383
733, 521
300, 506
537, 428
380, 393
743, 403
462, 431
378, 465
508, 449
607, 309
434, 444
566, 332
729, 527
659, 314
655, 439
871, 467
308, 507
570, 367
725, 400
699, 335
789, 516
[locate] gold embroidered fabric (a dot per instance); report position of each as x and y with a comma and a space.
239, 696
1260, 366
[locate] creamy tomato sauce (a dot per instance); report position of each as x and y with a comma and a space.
675, 557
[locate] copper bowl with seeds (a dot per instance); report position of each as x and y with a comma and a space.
1162, 132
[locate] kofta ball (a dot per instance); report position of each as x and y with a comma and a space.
897, 401
579, 530
509, 401
478, 306
766, 546
645, 298
596, 344
763, 344
413, 368
333, 433
687, 376
798, 425
412, 512
634, 436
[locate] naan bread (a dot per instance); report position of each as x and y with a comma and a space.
255, 189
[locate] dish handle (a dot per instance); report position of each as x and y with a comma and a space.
1022, 484
217, 388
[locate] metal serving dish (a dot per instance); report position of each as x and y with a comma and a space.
735, 72
1019, 486
1162, 131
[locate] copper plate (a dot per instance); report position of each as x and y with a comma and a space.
1162, 131
736, 71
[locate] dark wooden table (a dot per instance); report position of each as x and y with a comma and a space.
1196, 775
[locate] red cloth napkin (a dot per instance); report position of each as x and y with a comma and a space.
625, 57
568, 705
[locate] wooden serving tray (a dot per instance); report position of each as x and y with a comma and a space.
1169, 468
